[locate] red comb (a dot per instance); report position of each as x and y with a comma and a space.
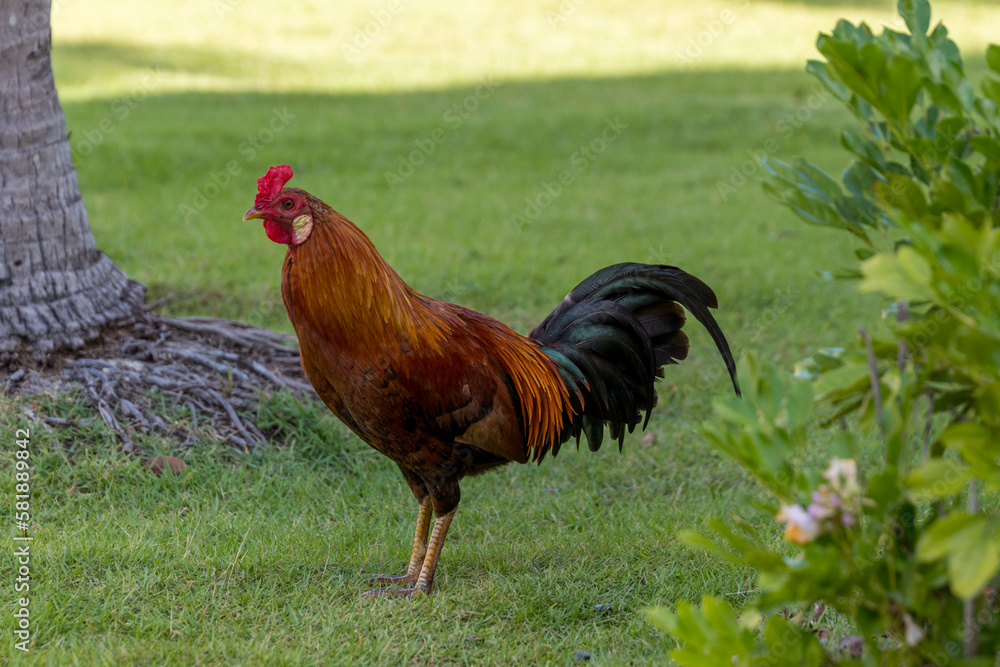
271, 183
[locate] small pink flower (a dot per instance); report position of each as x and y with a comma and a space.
843, 476
819, 512
847, 520
800, 527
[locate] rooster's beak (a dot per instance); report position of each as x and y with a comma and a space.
253, 214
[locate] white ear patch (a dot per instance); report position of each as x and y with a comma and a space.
302, 227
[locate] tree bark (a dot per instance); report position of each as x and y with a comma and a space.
56, 288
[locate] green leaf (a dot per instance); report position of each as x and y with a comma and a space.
662, 618
799, 404
916, 14
915, 266
859, 179
691, 625
972, 566
966, 93
988, 402
735, 540
814, 180
944, 536
963, 178
884, 489
944, 97
849, 377
845, 60
903, 86
711, 634
988, 146
819, 70
902, 192
720, 615
966, 437
970, 544
936, 62
735, 410
905, 275
940, 41
976, 443
938, 478
993, 57
949, 128
950, 198
794, 644
696, 540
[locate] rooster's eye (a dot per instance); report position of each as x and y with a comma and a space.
288, 203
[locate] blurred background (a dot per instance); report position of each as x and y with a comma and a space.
496, 153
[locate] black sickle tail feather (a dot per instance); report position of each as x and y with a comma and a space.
611, 337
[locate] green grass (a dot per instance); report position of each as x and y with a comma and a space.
258, 559
262, 558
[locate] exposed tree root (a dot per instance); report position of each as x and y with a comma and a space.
213, 372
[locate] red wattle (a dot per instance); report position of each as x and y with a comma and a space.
276, 232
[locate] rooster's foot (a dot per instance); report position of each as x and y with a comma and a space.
407, 593
383, 579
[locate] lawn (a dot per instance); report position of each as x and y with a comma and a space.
440, 137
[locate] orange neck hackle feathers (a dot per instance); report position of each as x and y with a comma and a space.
342, 285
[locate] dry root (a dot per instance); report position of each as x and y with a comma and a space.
213, 371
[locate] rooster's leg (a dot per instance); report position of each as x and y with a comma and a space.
426, 578
419, 550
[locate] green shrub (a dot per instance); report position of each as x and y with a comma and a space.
896, 542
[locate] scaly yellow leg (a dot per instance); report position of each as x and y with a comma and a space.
416, 557
426, 578
434, 547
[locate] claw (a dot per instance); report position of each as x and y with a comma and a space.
383, 579
407, 593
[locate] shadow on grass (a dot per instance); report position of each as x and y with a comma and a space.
500, 197
432, 175
85, 63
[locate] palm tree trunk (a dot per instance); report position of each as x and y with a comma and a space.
56, 288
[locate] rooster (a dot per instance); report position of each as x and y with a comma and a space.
446, 392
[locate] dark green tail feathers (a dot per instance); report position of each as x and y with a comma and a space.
611, 337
